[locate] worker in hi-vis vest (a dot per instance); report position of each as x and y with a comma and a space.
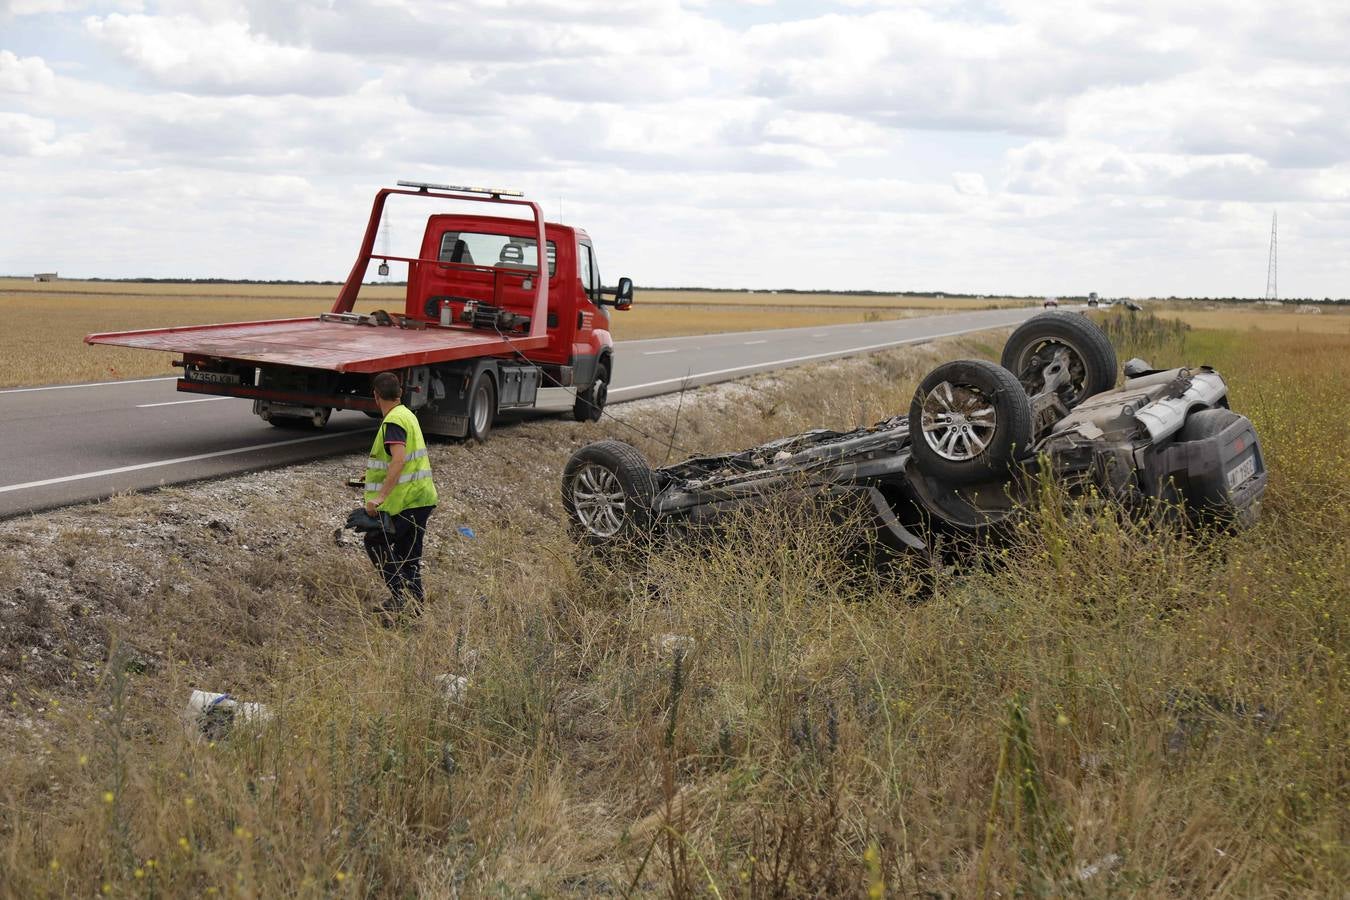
398, 482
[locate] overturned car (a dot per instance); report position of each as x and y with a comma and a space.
968, 453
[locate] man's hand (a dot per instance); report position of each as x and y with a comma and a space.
397, 454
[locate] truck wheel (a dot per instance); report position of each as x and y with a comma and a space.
482, 408
968, 421
607, 492
591, 402
319, 418
1064, 349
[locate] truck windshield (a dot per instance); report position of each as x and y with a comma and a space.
500, 250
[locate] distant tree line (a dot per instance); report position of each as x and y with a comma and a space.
1341, 301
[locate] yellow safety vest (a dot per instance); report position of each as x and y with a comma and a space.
415, 486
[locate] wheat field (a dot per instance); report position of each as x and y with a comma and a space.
47, 321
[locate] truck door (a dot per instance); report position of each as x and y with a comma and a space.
588, 303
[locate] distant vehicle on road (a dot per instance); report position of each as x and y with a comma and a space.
1092, 299
1050, 302
481, 327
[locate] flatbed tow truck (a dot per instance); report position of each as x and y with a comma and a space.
482, 329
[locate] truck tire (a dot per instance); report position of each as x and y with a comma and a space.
482, 407
1034, 347
968, 421
607, 492
590, 403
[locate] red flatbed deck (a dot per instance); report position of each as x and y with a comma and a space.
315, 344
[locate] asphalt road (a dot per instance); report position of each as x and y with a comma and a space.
71, 443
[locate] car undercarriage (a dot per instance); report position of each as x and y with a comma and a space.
968, 453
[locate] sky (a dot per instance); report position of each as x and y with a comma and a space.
1134, 148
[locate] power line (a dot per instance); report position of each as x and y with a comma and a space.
1271, 292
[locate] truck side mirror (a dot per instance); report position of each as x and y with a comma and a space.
623, 294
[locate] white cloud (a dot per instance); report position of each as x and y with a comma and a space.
24, 75
220, 57
24, 135
1064, 145
49, 7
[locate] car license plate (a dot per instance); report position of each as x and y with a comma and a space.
1241, 472
214, 377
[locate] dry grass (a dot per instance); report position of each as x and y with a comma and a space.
1319, 320
1168, 708
54, 317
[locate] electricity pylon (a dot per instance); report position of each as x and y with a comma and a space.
1271, 292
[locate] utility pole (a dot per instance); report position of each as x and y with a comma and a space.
1271, 292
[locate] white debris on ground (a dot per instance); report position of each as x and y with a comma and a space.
1107, 863
668, 644
214, 716
454, 687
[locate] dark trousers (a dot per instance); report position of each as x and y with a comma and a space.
398, 556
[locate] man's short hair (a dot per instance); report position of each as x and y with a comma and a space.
387, 386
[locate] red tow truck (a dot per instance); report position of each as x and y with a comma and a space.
482, 329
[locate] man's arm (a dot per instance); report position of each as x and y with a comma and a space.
398, 454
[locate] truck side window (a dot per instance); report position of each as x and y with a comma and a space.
586, 272
583, 267
595, 274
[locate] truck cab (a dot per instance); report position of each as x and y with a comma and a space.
486, 264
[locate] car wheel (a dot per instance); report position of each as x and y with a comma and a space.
1061, 351
590, 403
607, 492
1206, 423
968, 421
482, 408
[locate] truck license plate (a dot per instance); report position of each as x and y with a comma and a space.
1241, 472
214, 377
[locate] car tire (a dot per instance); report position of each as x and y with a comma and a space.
482, 408
590, 403
1090, 355
969, 420
607, 492
1206, 423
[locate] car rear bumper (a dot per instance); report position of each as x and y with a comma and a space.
1223, 475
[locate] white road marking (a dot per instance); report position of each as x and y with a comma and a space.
843, 351
177, 402
748, 343
173, 462
66, 387
659, 352
820, 334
